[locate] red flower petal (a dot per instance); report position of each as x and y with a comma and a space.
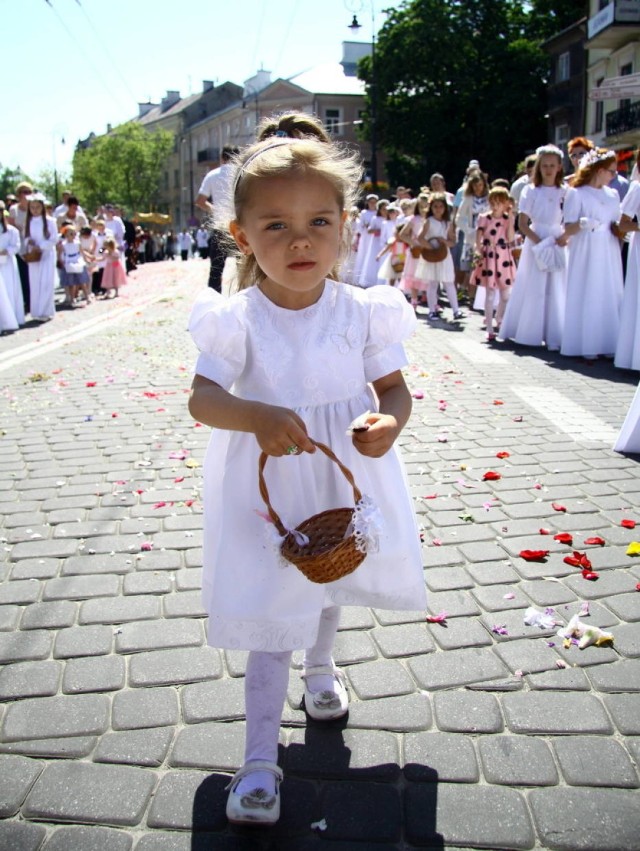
534, 555
545, 531
502, 454
498, 402
596, 541
591, 575
564, 538
628, 524
572, 560
557, 507
491, 476
91, 384
638, 587
578, 560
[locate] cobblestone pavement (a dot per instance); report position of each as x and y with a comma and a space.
119, 727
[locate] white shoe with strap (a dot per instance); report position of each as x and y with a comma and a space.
258, 806
328, 704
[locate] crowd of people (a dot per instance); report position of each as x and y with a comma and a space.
44, 249
551, 260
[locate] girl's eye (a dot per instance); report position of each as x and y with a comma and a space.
275, 226
320, 221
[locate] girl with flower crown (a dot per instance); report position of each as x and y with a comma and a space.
296, 355
535, 312
594, 272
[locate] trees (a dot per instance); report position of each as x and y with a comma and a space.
10, 178
124, 167
462, 79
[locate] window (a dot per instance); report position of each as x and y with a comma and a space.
625, 70
599, 113
564, 67
332, 121
562, 134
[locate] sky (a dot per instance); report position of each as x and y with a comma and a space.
73, 66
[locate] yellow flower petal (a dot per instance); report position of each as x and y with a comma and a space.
634, 548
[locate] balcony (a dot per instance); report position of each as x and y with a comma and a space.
208, 155
614, 26
624, 120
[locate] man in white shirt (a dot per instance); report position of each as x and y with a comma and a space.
202, 242
523, 180
185, 242
213, 190
114, 224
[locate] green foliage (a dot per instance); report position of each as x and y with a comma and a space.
461, 79
124, 168
51, 183
10, 178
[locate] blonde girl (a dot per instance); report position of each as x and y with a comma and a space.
114, 276
294, 357
410, 283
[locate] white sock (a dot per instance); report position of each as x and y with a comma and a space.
265, 689
321, 652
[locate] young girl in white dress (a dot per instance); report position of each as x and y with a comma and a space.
535, 313
594, 271
371, 267
628, 348
11, 303
363, 237
292, 356
438, 228
410, 283
41, 231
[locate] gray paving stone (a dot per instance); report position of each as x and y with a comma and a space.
460, 633
447, 579
594, 761
209, 745
154, 635
403, 714
178, 801
486, 551
81, 587
9, 617
183, 604
29, 679
567, 679
403, 640
362, 812
168, 667
492, 573
583, 819
625, 711
51, 717
83, 641
149, 707
544, 713
543, 594
456, 668
356, 617
342, 754
219, 700
529, 655
17, 776
499, 598
517, 761
354, 646
622, 676
158, 560
468, 816
384, 678
44, 549
73, 747
25, 646
20, 592
627, 640
102, 563
609, 584
471, 712
89, 839
21, 836
93, 794
36, 568
589, 656
56, 615
389, 616
120, 610
135, 747
625, 606
89, 674
439, 758
457, 603
147, 583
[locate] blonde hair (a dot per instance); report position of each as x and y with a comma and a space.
109, 242
599, 158
291, 144
499, 193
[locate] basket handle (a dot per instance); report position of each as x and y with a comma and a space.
264, 493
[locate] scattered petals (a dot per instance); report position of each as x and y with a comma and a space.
145, 546
442, 438
491, 476
584, 610
418, 394
518, 419
578, 560
544, 531
439, 618
560, 663
543, 620
437, 542
500, 629
442, 405
90, 383
638, 586
468, 518
584, 635
319, 825
502, 454
192, 463
534, 555
178, 479
591, 575
557, 506
628, 524
509, 596
498, 402
179, 455
430, 496
564, 538
596, 541
160, 505
538, 486
634, 548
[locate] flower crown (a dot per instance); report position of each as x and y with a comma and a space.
549, 149
596, 155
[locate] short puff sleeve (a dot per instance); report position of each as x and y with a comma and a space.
391, 320
217, 328
631, 202
572, 206
525, 204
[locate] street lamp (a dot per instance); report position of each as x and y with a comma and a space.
355, 26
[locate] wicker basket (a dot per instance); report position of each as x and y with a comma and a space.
33, 255
436, 252
328, 555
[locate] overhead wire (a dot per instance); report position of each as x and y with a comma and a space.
285, 38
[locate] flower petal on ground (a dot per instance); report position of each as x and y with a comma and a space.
557, 506
596, 541
634, 548
564, 538
534, 555
491, 476
628, 524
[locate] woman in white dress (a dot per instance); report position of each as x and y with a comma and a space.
11, 303
594, 273
535, 312
363, 237
41, 232
371, 266
628, 349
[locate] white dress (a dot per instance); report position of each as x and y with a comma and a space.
42, 275
594, 274
535, 312
442, 272
375, 243
10, 280
317, 361
363, 244
629, 437
628, 349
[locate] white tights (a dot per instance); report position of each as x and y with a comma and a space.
432, 295
265, 688
489, 298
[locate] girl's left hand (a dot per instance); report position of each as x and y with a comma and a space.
379, 437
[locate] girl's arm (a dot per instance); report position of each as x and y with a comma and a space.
524, 226
275, 428
511, 231
627, 224
450, 241
386, 424
570, 228
385, 249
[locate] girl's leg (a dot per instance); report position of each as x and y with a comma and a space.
322, 650
489, 296
452, 295
432, 296
502, 306
265, 688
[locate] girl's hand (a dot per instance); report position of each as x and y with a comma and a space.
378, 439
278, 429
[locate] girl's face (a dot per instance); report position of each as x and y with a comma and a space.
438, 209
69, 235
549, 167
605, 175
479, 189
371, 204
498, 208
36, 208
293, 226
